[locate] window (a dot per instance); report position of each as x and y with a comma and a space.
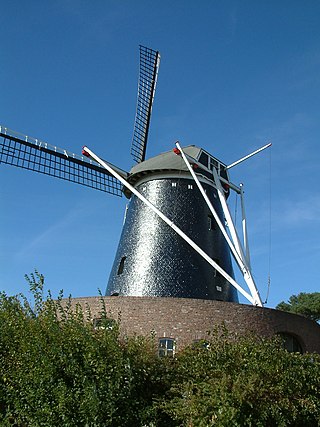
166, 347
213, 164
291, 343
216, 273
99, 323
115, 294
190, 186
121, 265
173, 184
203, 159
208, 161
223, 173
201, 343
211, 222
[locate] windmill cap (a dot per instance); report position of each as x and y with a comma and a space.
172, 162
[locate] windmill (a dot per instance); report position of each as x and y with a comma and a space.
174, 240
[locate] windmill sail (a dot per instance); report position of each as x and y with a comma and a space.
149, 66
32, 154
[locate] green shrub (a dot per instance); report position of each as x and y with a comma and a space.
57, 369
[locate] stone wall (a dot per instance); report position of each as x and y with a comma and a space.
187, 320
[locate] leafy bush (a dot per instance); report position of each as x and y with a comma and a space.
244, 382
57, 369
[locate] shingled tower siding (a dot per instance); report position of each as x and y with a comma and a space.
152, 260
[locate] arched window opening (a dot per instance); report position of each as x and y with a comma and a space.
291, 343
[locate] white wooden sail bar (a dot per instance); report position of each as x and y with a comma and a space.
173, 226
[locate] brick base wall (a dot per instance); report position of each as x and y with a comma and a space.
187, 320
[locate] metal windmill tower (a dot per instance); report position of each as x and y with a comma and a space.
174, 241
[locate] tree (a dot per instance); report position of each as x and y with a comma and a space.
307, 304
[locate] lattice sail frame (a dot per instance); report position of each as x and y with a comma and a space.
33, 154
149, 66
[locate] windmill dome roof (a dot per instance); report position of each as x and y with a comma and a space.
170, 164
167, 161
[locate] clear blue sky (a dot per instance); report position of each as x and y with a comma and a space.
233, 76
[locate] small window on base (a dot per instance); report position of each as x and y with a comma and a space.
107, 323
291, 343
167, 347
115, 294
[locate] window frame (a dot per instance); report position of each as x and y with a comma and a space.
121, 265
165, 350
291, 342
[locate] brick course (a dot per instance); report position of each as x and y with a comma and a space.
187, 319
